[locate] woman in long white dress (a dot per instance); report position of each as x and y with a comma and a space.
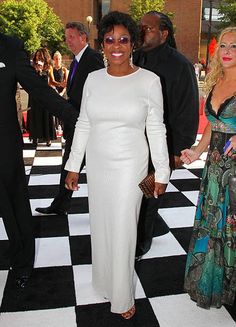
119, 103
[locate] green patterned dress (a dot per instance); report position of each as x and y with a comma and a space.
210, 277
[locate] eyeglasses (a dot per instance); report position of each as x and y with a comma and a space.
123, 40
228, 47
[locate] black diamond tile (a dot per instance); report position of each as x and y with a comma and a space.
51, 226
80, 247
42, 191
48, 153
4, 255
162, 276
79, 205
186, 184
197, 172
43, 170
28, 161
174, 199
99, 315
48, 288
183, 236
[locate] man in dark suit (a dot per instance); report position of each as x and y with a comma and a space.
14, 201
86, 60
181, 107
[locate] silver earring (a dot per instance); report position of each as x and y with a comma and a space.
131, 61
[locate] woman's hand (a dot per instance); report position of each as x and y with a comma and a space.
71, 181
189, 155
159, 189
231, 146
63, 84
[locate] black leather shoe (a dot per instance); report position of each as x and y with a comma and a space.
22, 281
49, 210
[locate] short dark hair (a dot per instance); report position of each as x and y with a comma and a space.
115, 18
79, 27
165, 24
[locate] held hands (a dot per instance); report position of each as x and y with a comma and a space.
189, 155
71, 181
159, 189
178, 162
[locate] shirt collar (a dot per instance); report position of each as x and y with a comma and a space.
79, 55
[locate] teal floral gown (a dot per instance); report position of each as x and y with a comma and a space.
210, 277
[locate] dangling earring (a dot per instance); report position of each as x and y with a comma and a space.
131, 60
105, 60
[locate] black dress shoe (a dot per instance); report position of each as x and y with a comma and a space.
22, 281
49, 210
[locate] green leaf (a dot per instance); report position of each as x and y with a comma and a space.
34, 22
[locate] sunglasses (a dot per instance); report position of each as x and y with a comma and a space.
123, 40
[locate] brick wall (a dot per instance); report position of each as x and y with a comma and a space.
187, 20
72, 10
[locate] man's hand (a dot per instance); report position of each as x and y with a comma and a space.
71, 181
178, 162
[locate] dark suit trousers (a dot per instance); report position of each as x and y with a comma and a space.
150, 224
17, 218
63, 198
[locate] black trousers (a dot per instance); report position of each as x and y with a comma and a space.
17, 217
63, 197
150, 225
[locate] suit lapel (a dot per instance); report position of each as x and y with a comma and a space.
79, 66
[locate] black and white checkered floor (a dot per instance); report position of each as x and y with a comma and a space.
60, 292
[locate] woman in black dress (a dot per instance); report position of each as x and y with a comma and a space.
40, 123
60, 74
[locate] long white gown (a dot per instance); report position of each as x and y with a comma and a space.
111, 128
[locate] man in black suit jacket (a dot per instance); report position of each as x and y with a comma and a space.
86, 60
181, 107
14, 201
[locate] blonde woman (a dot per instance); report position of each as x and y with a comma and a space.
60, 73
210, 277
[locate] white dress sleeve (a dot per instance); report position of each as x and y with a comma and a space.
156, 133
81, 135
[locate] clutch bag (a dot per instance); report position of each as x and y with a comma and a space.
147, 185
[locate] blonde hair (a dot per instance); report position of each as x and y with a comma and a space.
216, 69
57, 53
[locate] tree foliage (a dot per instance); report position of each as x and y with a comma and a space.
34, 22
139, 7
227, 9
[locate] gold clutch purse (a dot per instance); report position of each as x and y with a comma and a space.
147, 185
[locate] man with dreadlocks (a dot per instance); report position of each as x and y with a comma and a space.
158, 54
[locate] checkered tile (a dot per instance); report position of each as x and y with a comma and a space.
60, 292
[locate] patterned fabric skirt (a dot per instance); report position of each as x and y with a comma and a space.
210, 277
